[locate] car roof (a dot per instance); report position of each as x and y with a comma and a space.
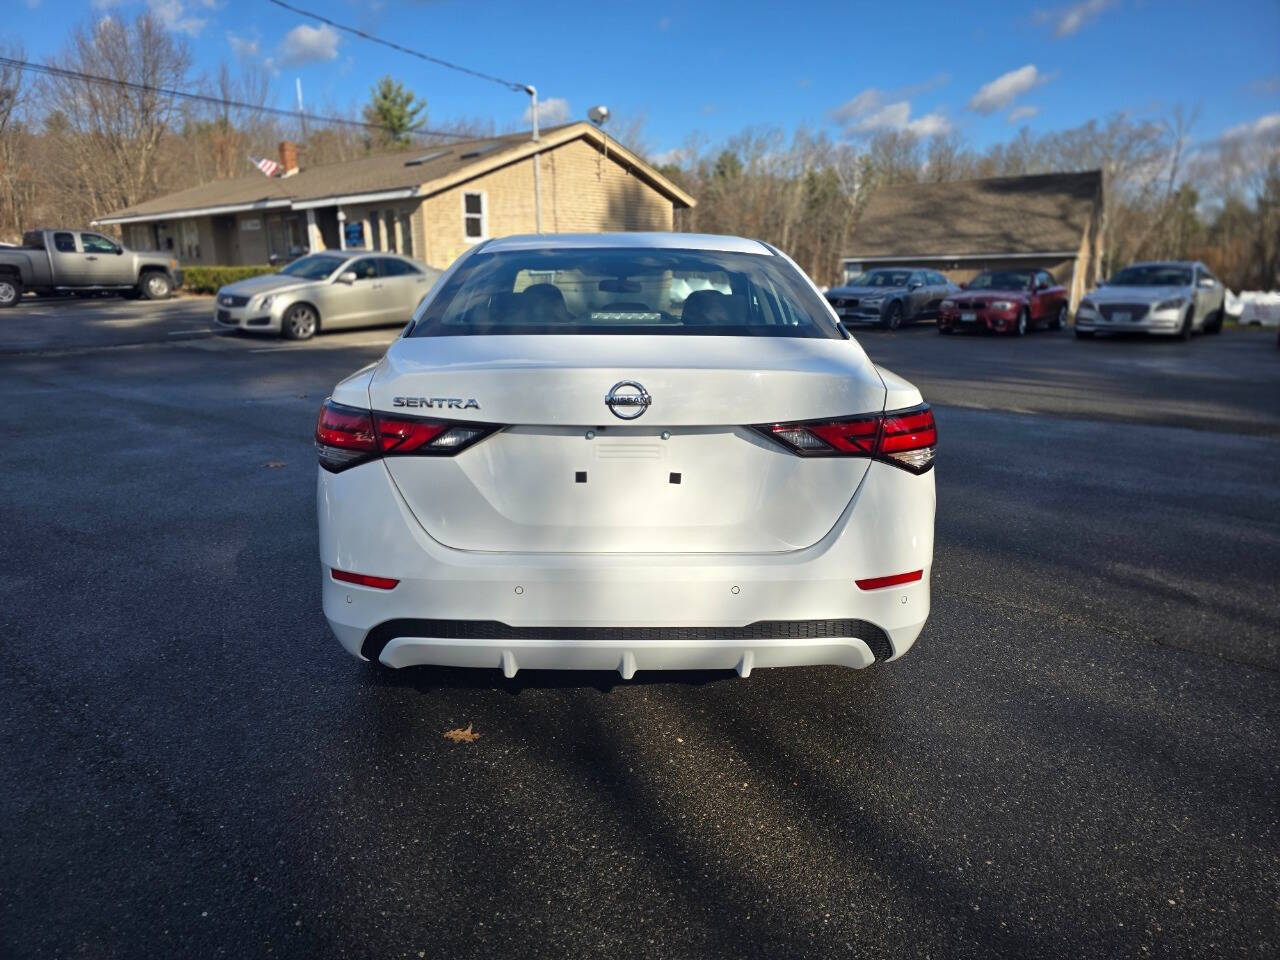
637, 240
1165, 263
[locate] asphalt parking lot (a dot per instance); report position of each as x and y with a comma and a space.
1077, 759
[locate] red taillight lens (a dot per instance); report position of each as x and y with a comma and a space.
904, 438
346, 436
909, 438
364, 580
405, 435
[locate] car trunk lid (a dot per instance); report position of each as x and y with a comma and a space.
687, 474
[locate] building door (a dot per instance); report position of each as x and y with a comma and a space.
224, 230
327, 222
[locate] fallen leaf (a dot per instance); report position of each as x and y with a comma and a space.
274, 464
462, 736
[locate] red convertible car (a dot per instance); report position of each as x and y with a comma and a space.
1006, 301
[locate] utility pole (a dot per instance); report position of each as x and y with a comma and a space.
302, 117
537, 160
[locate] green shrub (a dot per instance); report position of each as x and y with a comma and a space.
210, 279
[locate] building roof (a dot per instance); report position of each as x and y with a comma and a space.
1043, 213
416, 171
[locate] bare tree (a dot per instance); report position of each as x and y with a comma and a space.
17, 183
110, 135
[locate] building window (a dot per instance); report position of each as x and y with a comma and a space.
406, 235
190, 240
473, 216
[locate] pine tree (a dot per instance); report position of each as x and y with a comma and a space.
397, 110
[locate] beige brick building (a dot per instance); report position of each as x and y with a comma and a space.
431, 203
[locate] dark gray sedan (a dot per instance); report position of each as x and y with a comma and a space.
891, 296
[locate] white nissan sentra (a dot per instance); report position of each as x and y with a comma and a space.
625, 452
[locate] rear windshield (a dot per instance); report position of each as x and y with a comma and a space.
1152, 275
626, 291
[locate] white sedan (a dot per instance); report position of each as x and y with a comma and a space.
625, 452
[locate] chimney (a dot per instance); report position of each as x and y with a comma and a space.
288, 158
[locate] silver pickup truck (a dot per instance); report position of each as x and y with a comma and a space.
69, 260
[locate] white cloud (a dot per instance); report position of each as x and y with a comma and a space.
1006, 88
675, 155
930, 125
874, 110
243, 47
1262, 127
1067, 20
869, 113
306, 44
1022, 113
551, 111
173, 15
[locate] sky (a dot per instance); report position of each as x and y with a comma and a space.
983, 69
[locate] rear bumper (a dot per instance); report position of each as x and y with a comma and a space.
625, 612
850, 643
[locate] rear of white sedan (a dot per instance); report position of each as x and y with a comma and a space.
625, 452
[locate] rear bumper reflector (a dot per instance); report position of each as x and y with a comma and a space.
364, 580
876, 583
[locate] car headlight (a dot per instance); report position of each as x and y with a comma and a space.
1087, 305
264, 301
1173, 304
948, 304
1002, 305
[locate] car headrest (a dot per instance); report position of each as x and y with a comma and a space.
708, 308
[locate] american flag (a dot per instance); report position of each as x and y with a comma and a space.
269, 167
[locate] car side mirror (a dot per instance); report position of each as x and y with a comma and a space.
347, 277
119, 251
914, 285
1207, 282
1042, 286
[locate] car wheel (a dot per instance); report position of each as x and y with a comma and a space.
1059, 318
1184, 332
10, 291
893, 319
156, 286
1214, 323
300, 322
1021, 328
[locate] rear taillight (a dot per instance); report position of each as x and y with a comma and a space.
346, 436
904, 438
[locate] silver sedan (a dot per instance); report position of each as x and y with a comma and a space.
333, 290
1174, 298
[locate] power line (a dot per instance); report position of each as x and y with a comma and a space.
211, 100
511, 84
